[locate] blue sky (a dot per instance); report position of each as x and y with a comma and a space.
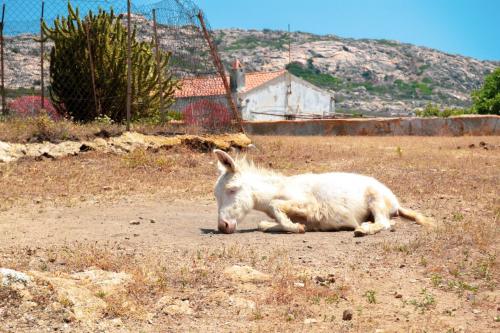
467, 27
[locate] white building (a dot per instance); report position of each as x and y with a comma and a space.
260, 95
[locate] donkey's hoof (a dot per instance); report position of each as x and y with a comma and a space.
359, 233
302, 229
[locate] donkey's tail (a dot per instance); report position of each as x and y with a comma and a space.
417, 217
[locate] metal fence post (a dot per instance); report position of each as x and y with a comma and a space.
4, 109
220, 68
42, 84
129, 67
158, 65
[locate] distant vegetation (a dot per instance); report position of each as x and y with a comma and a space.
487, 99
399, 88
251, 42
432, 110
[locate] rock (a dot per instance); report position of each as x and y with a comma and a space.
10, 276
398, 295
319, 279
27, 306
171, 306
310, 321
379, 330
476, 311
84, 305
242, 303
299, 285
245, 274
127, 142
347, 315
108, 282
116, 322
135, 222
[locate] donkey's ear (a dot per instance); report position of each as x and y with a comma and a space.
225, 160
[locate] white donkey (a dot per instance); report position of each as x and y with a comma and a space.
306, 202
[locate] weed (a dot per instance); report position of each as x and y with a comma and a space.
399, 151
370, 296
436, 280
425, 302
423, 261
457, 217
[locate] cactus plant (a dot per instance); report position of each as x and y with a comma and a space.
103, 38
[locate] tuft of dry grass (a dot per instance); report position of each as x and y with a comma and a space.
43, 128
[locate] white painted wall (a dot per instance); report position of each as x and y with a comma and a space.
269, 102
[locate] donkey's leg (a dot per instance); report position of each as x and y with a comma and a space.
268, 226
380, 209
279, 210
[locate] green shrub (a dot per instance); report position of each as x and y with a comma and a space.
487, 99
71, 76
432, 110
311, 74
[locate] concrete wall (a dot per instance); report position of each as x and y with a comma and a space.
269, 101
454, 126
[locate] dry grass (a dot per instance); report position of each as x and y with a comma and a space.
42, 128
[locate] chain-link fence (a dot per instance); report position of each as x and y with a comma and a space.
94, 59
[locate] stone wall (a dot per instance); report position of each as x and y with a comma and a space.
453, 126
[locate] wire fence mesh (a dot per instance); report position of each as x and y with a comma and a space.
70, 59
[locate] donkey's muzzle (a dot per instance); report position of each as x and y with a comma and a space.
226, 227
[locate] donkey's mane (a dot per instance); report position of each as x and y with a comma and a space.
245, 165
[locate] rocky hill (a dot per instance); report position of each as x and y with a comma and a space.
376, 77
368, 76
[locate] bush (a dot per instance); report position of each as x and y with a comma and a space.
487, 99
207, 114
432, 110
31, 106
71, 77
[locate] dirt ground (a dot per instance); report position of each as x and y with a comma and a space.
153, 214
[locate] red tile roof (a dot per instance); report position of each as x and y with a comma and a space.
213, 85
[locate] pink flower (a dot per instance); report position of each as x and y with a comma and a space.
31, 106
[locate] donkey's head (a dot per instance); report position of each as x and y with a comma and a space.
233, 191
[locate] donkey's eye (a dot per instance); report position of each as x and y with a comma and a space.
231, 190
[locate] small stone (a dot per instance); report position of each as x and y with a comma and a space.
135, 222
152, 221
476, 311
397, 295
117, 322
319, 279
347, 315
107, 188
310, 321
472, 145
379, 330
245, 274
471, 297
299, 285
402, 266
